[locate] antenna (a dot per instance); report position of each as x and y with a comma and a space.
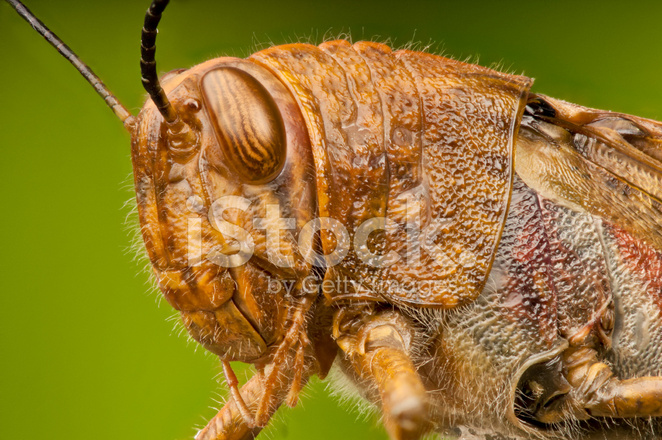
112, 102
179, 130
150, 78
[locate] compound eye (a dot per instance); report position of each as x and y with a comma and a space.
248, 124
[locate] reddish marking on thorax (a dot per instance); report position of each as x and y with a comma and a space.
643, 259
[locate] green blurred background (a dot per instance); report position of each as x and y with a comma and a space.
86, 351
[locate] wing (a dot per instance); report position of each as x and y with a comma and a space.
608, 164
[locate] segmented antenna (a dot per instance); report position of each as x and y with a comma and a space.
181, 136
112, 102
150, 78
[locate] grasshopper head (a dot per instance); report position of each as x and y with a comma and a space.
223, 192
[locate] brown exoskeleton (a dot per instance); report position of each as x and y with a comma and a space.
479, 254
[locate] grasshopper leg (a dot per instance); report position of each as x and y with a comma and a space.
594, 391
377, 347
604, 395
230, 423
281, 362
640, 397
